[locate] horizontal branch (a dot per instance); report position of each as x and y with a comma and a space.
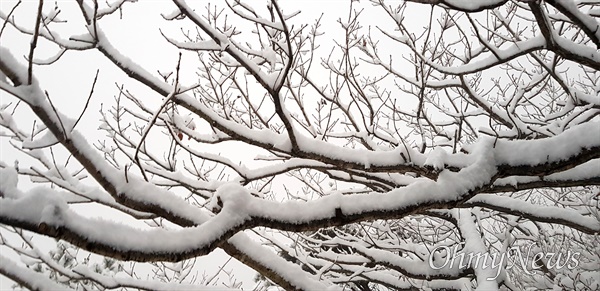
583, 175
403, 265
465, 6
539, 213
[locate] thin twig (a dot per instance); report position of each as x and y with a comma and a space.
36, 34
154, 117
15, 108
55, 165
218, 272
95, 20
88, 100
8, 17
32, 130
57, 116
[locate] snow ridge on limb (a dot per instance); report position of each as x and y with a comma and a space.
239, 210
27, 277
474, 244
465, 5
119, 282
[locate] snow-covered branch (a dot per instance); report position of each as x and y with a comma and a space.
365, 152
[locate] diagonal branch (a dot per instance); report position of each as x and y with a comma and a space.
587, 23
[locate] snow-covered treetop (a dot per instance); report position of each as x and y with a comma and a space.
356, 152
